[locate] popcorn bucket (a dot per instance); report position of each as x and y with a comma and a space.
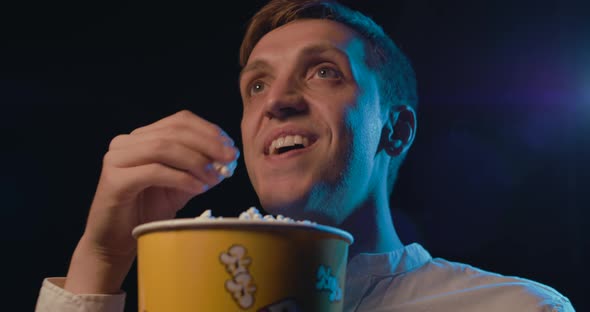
240, 265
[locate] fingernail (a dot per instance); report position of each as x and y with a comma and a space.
230, 152
228, 142
231, 167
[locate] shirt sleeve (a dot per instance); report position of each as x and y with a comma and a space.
53, 298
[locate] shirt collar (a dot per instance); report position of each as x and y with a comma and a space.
390, 263
363, 268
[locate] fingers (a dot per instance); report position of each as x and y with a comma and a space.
225, 170
184, 118
183, 142
167, 153
216, 147
136, 179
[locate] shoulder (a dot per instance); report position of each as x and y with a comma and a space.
503, 292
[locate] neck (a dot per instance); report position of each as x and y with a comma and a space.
372, 227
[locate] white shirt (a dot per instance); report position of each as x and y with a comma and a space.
408, 280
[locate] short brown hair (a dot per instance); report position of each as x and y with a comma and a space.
397, 81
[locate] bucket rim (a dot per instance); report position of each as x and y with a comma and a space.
235, 223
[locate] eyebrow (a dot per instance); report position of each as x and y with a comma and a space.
313, 49
256, 65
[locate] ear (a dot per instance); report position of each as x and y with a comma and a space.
399, 130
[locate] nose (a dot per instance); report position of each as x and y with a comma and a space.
285, 100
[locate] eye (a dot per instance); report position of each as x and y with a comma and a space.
328, 73
256, 87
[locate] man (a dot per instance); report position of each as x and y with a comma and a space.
328, 116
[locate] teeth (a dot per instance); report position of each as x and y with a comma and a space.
288, 140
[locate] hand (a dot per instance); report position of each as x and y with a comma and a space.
147, 175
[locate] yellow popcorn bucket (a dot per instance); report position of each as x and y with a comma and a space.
240, 265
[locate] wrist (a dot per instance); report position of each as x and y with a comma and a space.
93, 271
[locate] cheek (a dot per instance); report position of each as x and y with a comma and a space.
361, 131
250, 126
247, 141
343, 124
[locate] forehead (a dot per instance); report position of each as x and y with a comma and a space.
307, 35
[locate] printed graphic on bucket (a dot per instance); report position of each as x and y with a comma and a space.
329, 282
241, 284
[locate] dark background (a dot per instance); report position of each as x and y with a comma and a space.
497, 177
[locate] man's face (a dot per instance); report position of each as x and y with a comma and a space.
311, 121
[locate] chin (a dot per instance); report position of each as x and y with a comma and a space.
298, 196
286, 195
283, 203
298, 208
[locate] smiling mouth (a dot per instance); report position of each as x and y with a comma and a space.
288, 143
